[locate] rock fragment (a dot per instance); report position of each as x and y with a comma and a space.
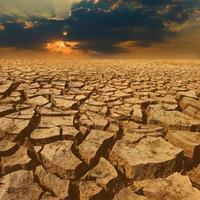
57, 186
174, 120
45, 135
64, 104
15, 161
188, 141
39, 100
94, 143
58, 158
52, 121
19, 185
151, 157
103, 174
194, 175
173, 187
128, 194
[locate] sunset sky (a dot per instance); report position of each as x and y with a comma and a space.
127, 28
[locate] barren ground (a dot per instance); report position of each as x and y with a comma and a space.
99, 129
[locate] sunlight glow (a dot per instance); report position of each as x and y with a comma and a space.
62, 47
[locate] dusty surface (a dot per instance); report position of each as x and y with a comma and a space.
99, 129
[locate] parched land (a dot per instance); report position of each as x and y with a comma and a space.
99, 129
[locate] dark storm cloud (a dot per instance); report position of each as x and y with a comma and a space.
102, 30
44, 31
102, 25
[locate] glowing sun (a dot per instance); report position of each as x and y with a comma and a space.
63, 47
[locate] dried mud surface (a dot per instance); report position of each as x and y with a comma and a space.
99, 129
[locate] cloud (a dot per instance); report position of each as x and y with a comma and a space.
36, 8
2, 27
18, 36
102, 25
95, 28
97, 25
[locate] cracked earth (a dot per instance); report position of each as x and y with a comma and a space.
99, 129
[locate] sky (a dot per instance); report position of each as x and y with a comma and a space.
121, 28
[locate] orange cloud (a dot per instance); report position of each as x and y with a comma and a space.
28, 24
2, 28
63, 47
